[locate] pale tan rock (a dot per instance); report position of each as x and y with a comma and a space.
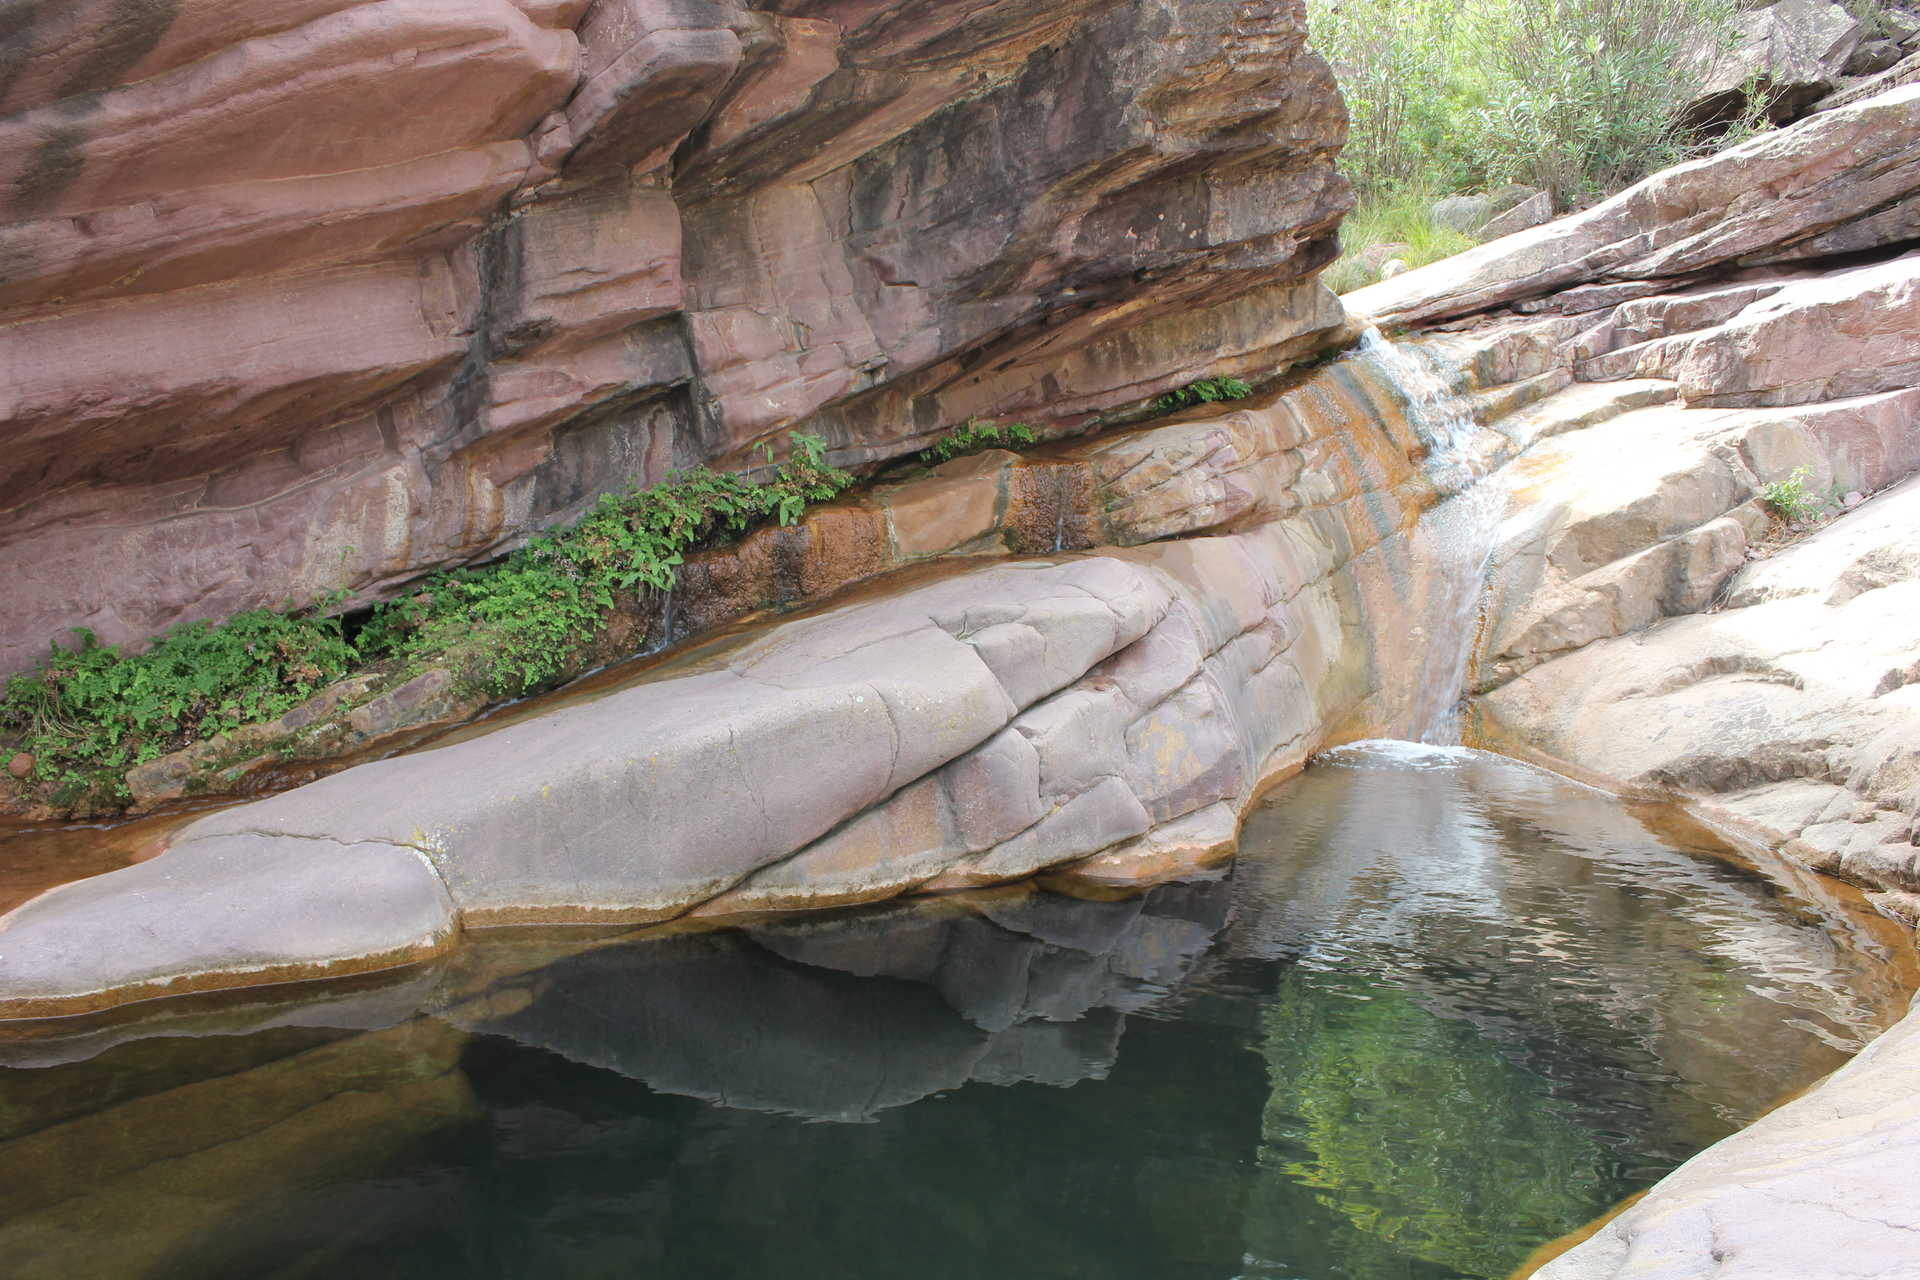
1819, 1187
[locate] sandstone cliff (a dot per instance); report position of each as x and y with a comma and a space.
314, 294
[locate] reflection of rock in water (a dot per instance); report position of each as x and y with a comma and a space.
843, 1016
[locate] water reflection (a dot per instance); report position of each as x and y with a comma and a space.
842, 1018
1444, 1009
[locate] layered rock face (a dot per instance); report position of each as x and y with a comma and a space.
322, 293
1741, 322
1104, 715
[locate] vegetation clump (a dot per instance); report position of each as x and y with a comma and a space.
976, 435
91, 713
1204, 391
1790, 500
1577, 98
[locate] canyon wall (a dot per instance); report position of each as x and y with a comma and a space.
313, 295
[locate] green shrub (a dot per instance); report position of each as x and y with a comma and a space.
1579, 97
1791, 501
1205, 391
977, 434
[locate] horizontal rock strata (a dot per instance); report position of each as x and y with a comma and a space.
331, 292
1111, 712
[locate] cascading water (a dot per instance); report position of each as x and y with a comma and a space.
1462, 528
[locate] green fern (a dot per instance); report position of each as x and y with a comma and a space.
976, 435
91, 713
1204, 391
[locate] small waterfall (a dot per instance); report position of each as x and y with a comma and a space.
1462, 529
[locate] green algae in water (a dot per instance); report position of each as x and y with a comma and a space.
1444, 1009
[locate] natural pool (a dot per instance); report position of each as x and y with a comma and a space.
1444, 1008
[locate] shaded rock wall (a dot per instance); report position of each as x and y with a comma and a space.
323, 292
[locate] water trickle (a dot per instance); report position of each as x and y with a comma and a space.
1461, 529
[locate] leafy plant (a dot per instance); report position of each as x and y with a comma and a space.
519, 620
91, 713
977, 434
1204, 391
1790, 500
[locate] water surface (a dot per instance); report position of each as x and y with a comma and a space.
1443, 1008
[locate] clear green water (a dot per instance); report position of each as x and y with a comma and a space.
1443, 1009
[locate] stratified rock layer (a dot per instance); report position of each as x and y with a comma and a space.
1107, 712
332, 291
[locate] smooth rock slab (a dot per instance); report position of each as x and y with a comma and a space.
239, 910
1823, 1187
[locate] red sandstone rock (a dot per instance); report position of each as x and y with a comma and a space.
305, 294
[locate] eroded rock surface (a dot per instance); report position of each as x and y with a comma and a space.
1110, 712
327, 292
1705, 585
1673, 380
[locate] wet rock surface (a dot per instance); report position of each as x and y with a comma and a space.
335, 291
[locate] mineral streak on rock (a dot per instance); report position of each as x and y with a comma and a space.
328, 292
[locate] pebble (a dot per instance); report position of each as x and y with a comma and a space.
21, 765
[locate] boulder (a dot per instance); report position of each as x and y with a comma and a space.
1873, 57
1850, 91
1464, 214
1531, 212
1791, 53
